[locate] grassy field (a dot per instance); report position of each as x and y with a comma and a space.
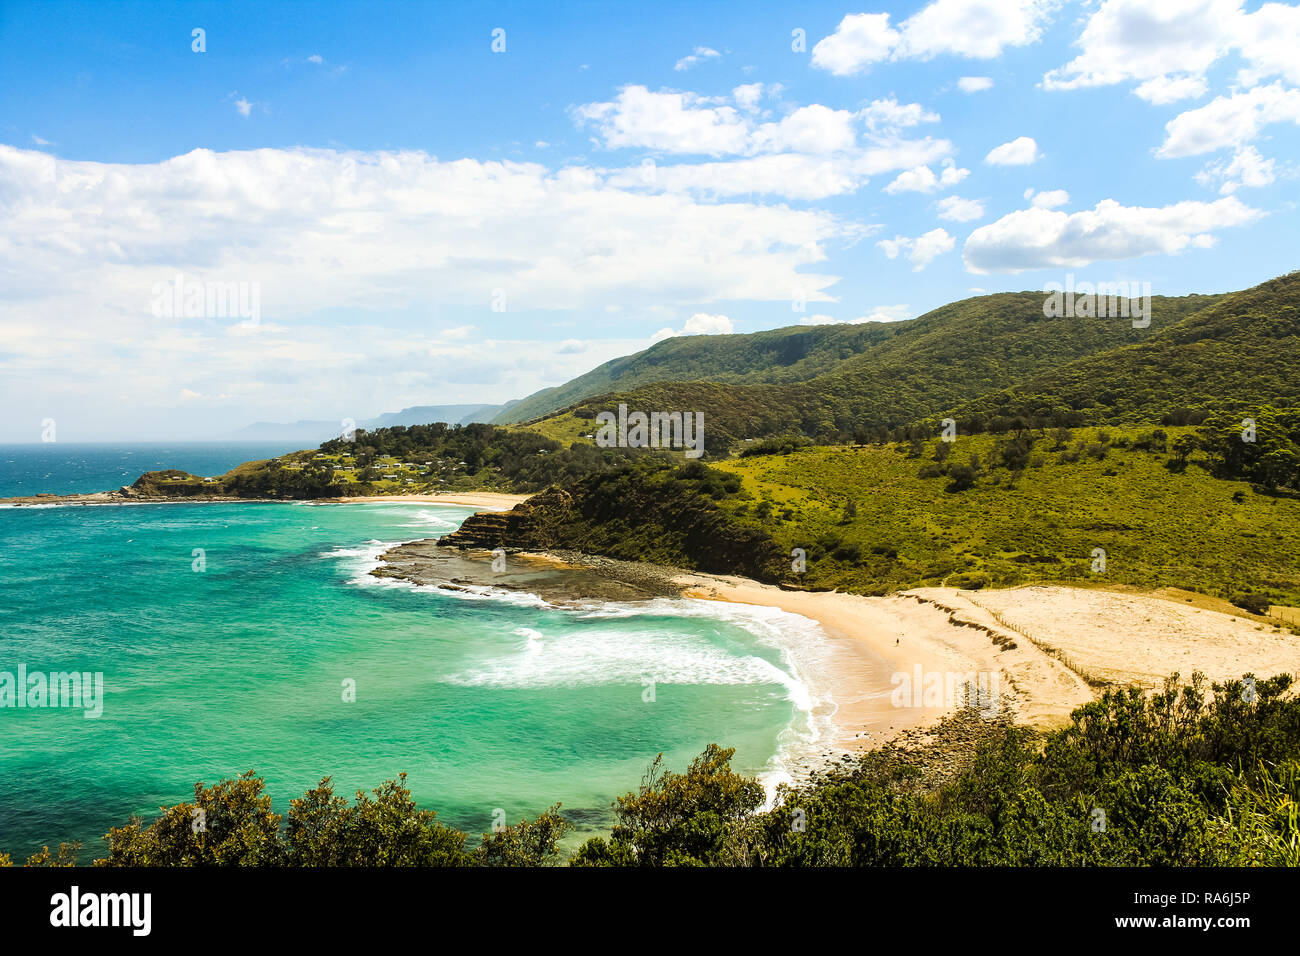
1158, 527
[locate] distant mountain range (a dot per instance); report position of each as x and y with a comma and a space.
976, 359
313, 432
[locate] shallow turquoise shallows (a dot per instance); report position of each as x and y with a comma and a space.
487, 702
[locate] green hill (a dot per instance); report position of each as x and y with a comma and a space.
889, 517
793, 354
927, 366
1243, 349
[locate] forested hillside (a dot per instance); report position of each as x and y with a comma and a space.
945, 358
1243, 349
793, 354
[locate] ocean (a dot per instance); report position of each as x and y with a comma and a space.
64, 468
228, 635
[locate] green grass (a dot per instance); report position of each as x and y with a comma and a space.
1159, 528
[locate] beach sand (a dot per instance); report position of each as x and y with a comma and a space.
880, 643
1052, 648
1136, 638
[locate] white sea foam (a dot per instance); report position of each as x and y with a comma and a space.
532, 640
431, 519
595, 655
362, 559
591, 656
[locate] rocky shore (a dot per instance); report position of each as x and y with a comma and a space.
562, 578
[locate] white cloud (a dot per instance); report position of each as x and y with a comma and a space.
974, 84
687, 123
316, 58
669, 121
1268, 40
881, 313
793, 175
860, 40
811, 153
884, 313
1044, 238
921, 179
889, 114
921, 250
813, 129
1048, 198
956, 209
1162, 90
571, 347
1019, 152
1229, 121
1168, 45
747, 97
701, 54
952, 174
701, 323
244, 106
1246, 168
363, 235
976, 29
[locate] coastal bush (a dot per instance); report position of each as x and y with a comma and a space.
1178, 778
232, 824
651, 511
1244, 542
677, 819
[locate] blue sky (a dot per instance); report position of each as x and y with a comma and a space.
418, 219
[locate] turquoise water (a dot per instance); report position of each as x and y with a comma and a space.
65, 468
486, 701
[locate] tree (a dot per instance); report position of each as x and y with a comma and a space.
676, 819
526, 843
388, 830
228, 824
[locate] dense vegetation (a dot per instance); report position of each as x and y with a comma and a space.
651, 511
232, 824
930, 365
412, 459
1166, 505
1172, 779
1178, 778
793, 354
1242, 349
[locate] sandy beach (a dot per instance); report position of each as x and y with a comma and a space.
1051, 648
